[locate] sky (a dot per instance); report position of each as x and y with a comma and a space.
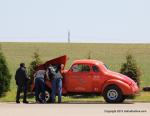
92, 21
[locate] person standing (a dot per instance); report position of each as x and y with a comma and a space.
57, 82
21, 78
40, 85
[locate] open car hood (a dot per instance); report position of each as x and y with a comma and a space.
58, 60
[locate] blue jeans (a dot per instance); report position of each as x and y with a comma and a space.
56, 86
39, 86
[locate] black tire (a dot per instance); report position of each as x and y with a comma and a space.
113, 94
47, 96
123, 98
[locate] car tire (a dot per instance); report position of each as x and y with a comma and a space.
122, 99
113, 94
47, 96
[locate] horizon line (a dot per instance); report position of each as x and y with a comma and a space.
75, 42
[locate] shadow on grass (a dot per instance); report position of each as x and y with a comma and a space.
83, 96
80, 97
96, 102
99, 102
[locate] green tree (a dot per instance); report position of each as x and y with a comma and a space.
131, 69
32, 67
5, 76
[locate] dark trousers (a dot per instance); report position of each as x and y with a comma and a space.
21, 87
39, 86
57, 87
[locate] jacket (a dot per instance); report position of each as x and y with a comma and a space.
21, 76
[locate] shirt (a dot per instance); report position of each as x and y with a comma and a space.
39, 74
54, 73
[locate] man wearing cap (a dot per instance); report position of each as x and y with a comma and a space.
21, 78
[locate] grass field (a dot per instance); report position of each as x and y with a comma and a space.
111, 54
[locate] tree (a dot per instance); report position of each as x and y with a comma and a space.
131, 69
5, 76
32, 67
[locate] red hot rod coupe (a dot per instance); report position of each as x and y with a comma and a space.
92, 76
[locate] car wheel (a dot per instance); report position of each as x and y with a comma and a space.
113, 94
47, 96
123, 98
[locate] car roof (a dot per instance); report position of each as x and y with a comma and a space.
87, 61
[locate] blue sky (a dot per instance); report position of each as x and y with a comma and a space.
98, 21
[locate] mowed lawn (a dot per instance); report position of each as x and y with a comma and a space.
111, 54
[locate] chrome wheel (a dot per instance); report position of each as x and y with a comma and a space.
47, 96
112, 94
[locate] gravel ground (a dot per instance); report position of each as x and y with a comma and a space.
74, 109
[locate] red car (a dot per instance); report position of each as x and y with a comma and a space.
92, 76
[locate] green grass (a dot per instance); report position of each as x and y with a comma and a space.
111, 54
143, 96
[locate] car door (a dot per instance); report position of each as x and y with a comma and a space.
96, 79
79, 78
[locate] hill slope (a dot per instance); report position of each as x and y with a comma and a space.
111, 54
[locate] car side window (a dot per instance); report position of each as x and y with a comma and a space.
95, 68
85, 68
80, 68
76, 68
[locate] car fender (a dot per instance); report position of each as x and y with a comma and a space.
125, 88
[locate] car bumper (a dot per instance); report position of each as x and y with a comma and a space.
135, 89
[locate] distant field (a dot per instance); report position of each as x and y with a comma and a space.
111, 54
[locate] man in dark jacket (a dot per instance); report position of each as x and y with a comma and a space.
21, 81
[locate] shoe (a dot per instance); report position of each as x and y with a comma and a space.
26, 102
18, 102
